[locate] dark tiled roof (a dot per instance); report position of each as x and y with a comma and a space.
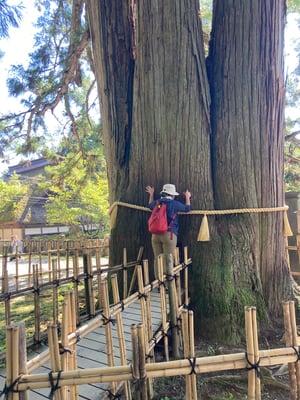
28, 166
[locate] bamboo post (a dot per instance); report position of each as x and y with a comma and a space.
192, 353
58, 260
143, 300
12, 360
29, 255
186, 277
67, 254
49, 261
160, 267
108, 329
173, 302
142, 362
24, 395
37, 306
7, 297
135, 361
125, 274
99, 274
55, 361
288, 342
55, 291
88, 285
256, 354
64, 340
121, 337
73, 358
252, 354
295, 342
75, 286
185, 335
4, 271
149, 325
17, 270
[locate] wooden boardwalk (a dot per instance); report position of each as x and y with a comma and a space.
92, 350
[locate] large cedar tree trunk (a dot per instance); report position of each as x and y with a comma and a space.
159, 126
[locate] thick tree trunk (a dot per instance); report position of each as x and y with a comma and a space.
157, 123
246, 78
162, 125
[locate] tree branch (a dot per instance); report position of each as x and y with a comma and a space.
291, 135
68, 75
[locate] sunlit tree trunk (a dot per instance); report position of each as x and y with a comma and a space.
247, 87
160, 127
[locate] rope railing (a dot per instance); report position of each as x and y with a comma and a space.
203, 234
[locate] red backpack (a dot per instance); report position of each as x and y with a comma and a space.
158, 221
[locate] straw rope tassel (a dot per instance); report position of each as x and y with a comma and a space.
287, 231
113, 216
203, 235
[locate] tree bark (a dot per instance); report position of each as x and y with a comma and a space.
247, 88
160, 126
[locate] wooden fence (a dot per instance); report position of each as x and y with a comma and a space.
64, 378
137, 377
46, 271
17, 366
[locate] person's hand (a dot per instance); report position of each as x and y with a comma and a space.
187, 194
150, 190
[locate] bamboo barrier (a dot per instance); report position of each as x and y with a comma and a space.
57, 390
252, 354
121, 338
160, 266
173, 303
37, 308
292, 339
142, 363
181, 367
150, 351
70, 336
189, 353
140, 371
108, 330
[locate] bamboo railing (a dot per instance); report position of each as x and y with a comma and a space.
139, 371
61, 353
49, 269
137, 376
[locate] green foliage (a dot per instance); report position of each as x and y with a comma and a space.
9, 16
13, 195
56, 77
293, 6
78, 194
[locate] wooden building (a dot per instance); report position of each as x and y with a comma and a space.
32, 219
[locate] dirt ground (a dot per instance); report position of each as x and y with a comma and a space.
230, 385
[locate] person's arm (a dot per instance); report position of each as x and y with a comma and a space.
150, 190
187, 194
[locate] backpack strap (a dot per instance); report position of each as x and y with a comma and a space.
171, 225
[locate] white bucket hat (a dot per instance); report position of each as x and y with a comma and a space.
169, 189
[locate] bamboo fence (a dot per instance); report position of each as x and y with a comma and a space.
138, 372
62, 353
47, 270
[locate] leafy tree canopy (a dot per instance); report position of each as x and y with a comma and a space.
77, 196
13, 198
57, 83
